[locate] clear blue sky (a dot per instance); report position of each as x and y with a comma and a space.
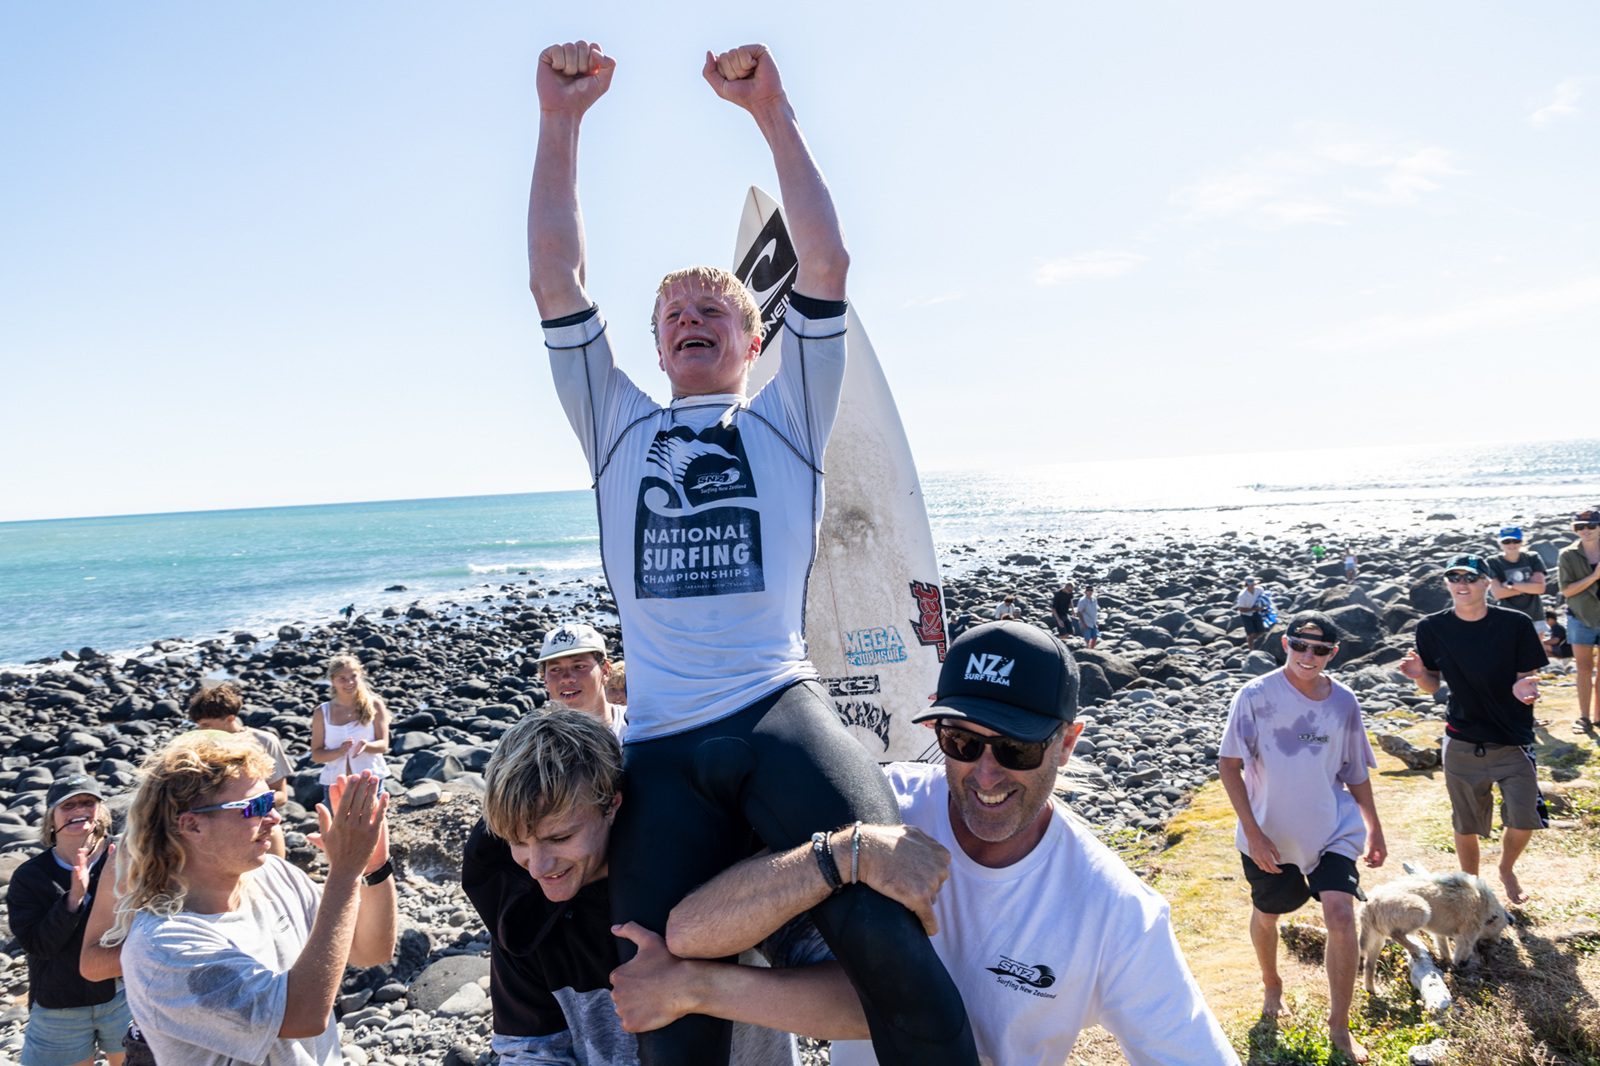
265, 254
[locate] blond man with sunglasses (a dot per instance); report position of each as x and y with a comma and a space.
1294, 762
1044, 930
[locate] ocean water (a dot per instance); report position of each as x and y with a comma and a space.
118, 583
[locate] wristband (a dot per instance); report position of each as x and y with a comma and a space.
824, 854
380, 875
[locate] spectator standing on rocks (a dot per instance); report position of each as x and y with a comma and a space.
48, 900
1489, 657
1032, 974
1088, 612
576, 672
1578, 574
1294, 762
229, 953
537, 870
1007, 609
1250, 606
709, 512
1350, 566
216, 708
1516, 578
350, 732
1061, 610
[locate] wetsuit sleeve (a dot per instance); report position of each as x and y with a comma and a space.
39, 915
598, 398
802, 398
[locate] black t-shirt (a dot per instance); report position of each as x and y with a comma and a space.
51, 935
1516, 573
1480, 662
1062, 603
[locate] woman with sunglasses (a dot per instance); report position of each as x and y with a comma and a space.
229, 952
49, 899
1578, 574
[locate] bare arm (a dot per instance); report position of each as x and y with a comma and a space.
570, 78
374, 939
1427, 680
98, 963
1377, 850
348, 838
1263, 852
656, 988
380, 734
1572, 588
744, 904
320, 754
748, 76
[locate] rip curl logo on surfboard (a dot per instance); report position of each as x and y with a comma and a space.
874, 646
929, 623
768, 270
691, 536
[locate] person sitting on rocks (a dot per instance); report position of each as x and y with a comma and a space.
536, 868
709, 515
1516, 578
230, 953
1045, 930
1250, 607
217, 707
1294, 762
1007, 609
350, 732
1088, 612
1555, 638
48, 901
1490, 657
572, 661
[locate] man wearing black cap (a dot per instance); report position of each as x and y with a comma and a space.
1294, 762
1488, 656
1044, 930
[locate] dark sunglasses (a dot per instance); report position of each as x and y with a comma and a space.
1579, 527
1321, 651
254, 807
964, 746
1460, 578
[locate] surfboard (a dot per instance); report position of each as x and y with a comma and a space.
875, 620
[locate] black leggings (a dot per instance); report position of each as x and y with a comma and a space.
785, 767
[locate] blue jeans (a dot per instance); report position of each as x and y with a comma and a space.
62, 1036
1579, 633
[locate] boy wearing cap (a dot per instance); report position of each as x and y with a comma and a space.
1044, 930
1249, 607
1488, 656
1294, 762
577, 674
1578, 575
1517, 580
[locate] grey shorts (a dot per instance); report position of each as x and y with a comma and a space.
1470, 777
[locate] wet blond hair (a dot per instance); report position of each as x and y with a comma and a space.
718, 281
185, 774
549, 765
368, 704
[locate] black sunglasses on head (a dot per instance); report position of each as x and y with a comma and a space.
965, 746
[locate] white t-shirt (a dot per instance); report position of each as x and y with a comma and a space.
211, 989
709, 510
1299, 754
354, 729
1248, 600
1089, 611
1065, 938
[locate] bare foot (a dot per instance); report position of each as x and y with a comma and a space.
1342, 1041
1514, 893
1272, 1002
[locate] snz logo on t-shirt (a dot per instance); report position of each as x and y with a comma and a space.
1023, 977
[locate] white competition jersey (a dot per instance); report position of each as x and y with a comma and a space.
709, 510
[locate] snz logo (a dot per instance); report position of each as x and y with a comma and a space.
1039, 976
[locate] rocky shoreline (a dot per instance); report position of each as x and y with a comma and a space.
1156, 694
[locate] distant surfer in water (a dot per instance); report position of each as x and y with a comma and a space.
709, 511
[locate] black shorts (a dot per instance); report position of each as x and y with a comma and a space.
1289, 889
1254, 624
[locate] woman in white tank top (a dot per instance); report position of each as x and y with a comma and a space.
350, 733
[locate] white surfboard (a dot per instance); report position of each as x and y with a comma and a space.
875, 607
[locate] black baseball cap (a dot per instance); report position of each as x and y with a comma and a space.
1473, 564
1008, 676
1307, 619
67, 787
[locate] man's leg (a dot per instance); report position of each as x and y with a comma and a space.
1511, 848
1467, 852
1264, 938
811, 775
1340, 959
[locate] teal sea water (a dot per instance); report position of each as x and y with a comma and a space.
118, 583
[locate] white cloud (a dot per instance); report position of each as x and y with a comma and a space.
931, 301
1528, 306
1564, 105
1319, 180
1086, 266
